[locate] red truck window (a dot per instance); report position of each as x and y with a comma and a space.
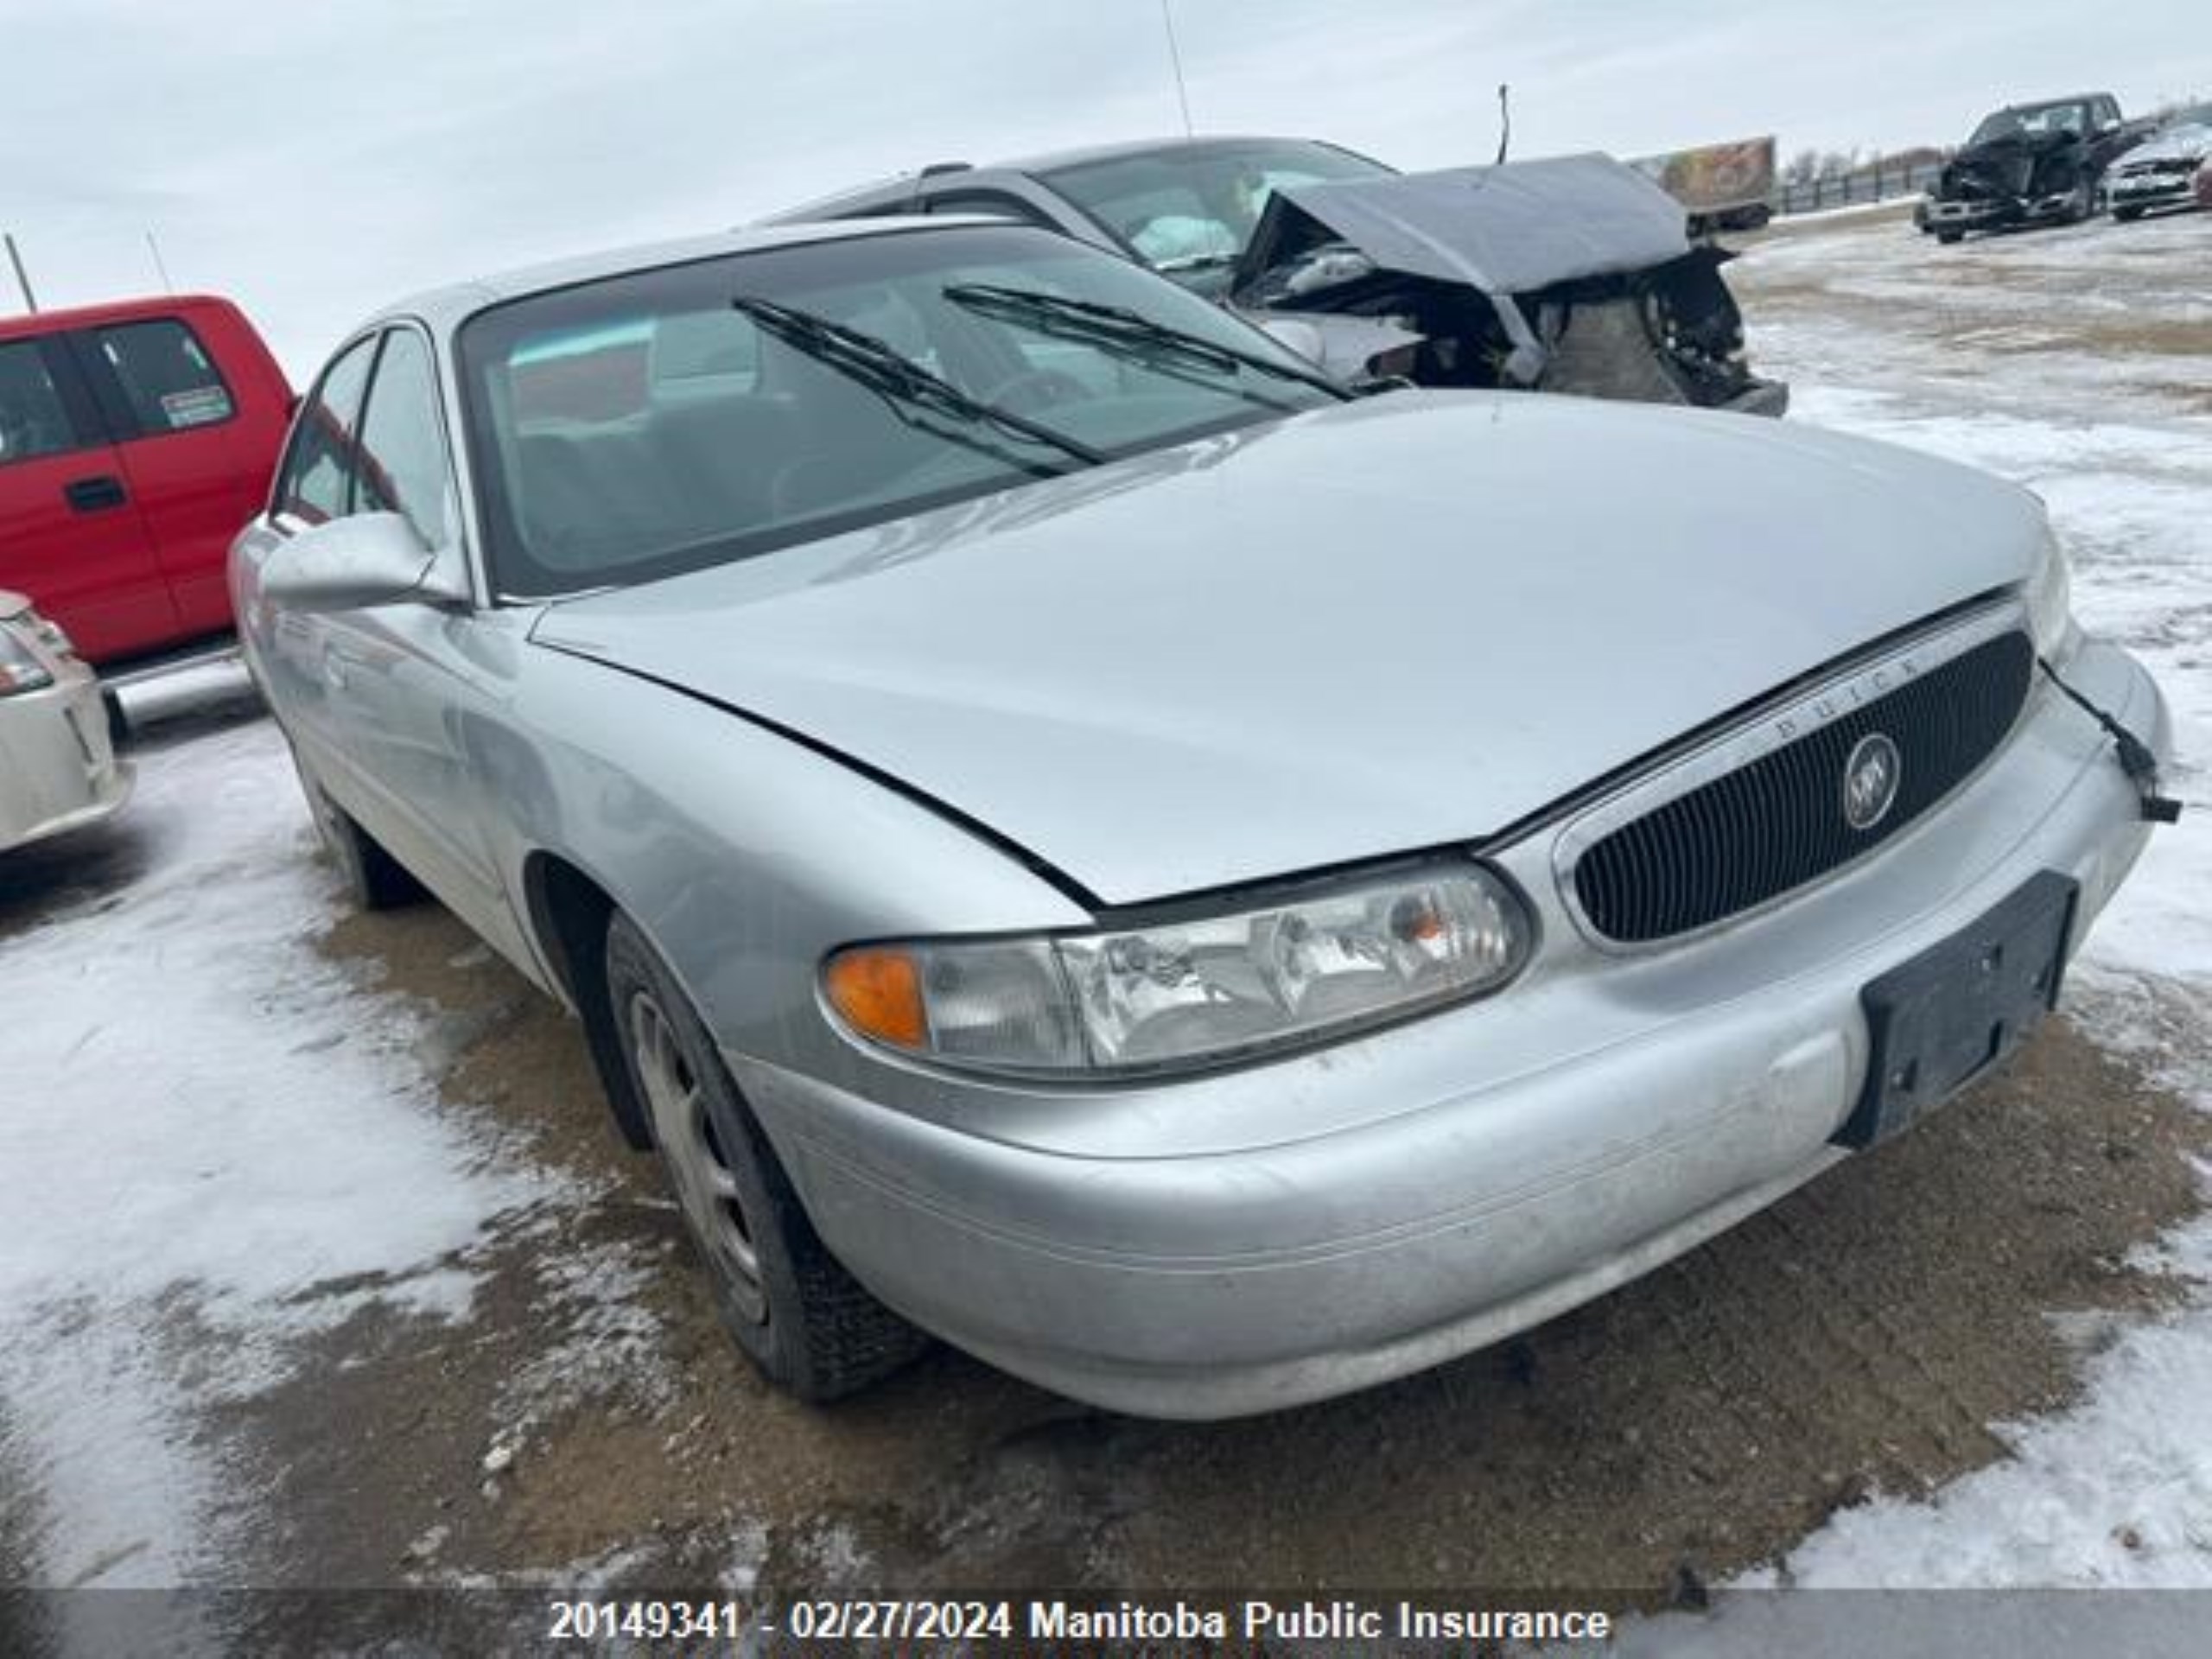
167, 376
33, 421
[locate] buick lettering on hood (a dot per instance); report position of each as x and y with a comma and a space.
1070, 832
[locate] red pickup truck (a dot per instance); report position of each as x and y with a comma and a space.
135, 440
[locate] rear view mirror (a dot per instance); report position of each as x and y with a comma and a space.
371, 558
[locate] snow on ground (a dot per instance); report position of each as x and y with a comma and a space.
210, 1131
2117, 1491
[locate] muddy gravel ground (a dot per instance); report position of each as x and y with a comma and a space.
587, 1420
1860, 1334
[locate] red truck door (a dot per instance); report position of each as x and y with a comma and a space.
197, 433
70, 537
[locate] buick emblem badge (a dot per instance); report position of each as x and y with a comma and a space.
1870, 780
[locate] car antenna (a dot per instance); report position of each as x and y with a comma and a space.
1175, 59
1505, 120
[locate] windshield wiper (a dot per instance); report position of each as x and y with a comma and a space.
909, 389
1117, 328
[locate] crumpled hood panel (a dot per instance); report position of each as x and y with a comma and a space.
1398, 623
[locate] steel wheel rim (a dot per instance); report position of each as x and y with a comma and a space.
706, 1187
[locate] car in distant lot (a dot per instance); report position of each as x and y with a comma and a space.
1569, 274
135, 438
1073, 832
2030, 164
58, 772
2163, 170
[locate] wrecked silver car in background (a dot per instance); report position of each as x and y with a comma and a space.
1574, 274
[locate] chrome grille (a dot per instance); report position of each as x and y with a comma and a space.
1778, 822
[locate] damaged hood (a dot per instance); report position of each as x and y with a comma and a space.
1391, 625
1503, 230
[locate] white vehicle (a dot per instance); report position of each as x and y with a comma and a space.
57, 768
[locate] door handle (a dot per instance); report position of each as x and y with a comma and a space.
94, 495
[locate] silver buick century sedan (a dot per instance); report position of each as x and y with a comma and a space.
1070, 832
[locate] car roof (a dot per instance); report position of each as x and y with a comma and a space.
950, 175
110, 311
2053, 103
1055, 161
447, 307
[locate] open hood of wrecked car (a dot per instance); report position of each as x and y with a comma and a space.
1387, 626
1503, 230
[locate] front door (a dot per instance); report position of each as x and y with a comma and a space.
180, 435
73, 537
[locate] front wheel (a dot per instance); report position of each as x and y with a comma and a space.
1947, 238
2127, 214
800, 1316
374, 879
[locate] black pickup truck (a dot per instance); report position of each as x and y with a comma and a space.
2030, 164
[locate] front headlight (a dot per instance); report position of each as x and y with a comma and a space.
2049, 596
1194, 989
20, 670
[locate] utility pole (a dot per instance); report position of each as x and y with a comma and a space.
1175, 57
22, 279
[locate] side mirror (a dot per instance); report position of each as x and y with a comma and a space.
349, 564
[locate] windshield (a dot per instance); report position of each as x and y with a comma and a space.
1189, 211
2038, 122
669, 419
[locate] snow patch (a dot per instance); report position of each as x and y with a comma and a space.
211, 1131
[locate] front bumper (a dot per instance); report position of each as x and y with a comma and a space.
1980, 213
1769, 397
58, 769
1991, 214
2151, 190
1254, 1240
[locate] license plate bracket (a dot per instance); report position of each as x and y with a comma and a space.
1961, 1006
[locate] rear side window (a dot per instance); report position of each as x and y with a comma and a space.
33, 421
402, 453
315, 483
168, 378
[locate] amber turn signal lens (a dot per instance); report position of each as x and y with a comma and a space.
879, 993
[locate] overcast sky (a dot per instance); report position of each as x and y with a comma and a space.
316, 160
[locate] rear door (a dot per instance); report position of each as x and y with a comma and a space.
71, 533
177, 419
409, 686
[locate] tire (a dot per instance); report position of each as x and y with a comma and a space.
2127, 215
803, 1320
374, 879
1947, 238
